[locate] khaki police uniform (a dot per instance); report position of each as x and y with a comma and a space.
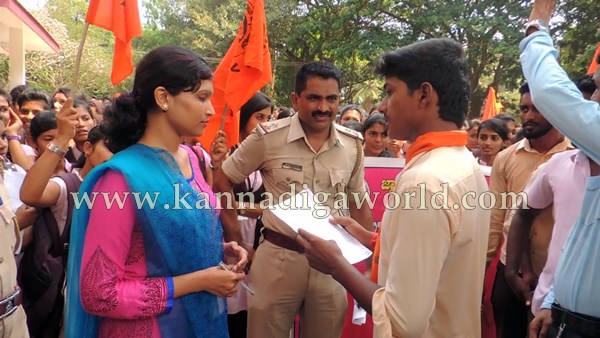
12, 316
281, 277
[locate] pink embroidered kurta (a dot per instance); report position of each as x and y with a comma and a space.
114, 283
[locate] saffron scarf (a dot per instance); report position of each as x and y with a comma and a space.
423, 143
176, 242
436, 139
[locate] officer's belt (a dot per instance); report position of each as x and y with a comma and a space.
10, 304
282, 240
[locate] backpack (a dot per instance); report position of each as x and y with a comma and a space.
42, 270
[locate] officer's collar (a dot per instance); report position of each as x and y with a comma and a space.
296, 132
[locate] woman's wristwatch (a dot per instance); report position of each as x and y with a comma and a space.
55, 149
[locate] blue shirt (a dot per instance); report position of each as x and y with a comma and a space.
562, 104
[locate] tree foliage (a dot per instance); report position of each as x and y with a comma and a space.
347, 33
64, 20
490, 31
350, 33
353, 33
580, 34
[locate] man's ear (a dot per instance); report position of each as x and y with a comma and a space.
427, 93
295, 98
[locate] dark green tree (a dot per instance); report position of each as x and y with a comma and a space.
579, 31
490, 31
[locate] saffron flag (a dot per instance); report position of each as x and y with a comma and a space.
244, 70
490, 109
594, 64
123, 19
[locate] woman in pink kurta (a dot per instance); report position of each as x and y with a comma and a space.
114, 283
145, 252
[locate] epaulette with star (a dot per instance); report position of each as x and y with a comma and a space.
349, 132
267, 127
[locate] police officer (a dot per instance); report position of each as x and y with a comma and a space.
305, 150
12, 317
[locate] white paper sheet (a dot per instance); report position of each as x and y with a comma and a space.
300, 212
359, 315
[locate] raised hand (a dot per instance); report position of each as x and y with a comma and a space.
66, 122
542, 10
16, 127
218, 149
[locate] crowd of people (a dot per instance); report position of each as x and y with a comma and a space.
116, 267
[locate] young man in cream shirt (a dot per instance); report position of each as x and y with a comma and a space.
432, 255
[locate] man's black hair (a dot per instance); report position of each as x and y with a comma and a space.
586, 84
524, 89
33, 94
320, 69
441, 63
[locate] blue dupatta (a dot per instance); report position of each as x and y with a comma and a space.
176, 242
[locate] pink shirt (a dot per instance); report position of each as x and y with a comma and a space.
114, 283
197, 180
561, 181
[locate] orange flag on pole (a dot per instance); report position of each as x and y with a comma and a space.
490, 105
594, 64
123, 19
244, 70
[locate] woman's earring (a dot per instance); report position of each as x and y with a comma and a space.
165, 107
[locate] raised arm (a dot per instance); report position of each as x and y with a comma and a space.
15, 148
553, 92
37, 190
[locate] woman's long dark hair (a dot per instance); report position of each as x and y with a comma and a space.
174, 68
257, 102
41, 123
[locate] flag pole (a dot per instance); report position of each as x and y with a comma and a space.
594, 64
75, 83
224, 117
